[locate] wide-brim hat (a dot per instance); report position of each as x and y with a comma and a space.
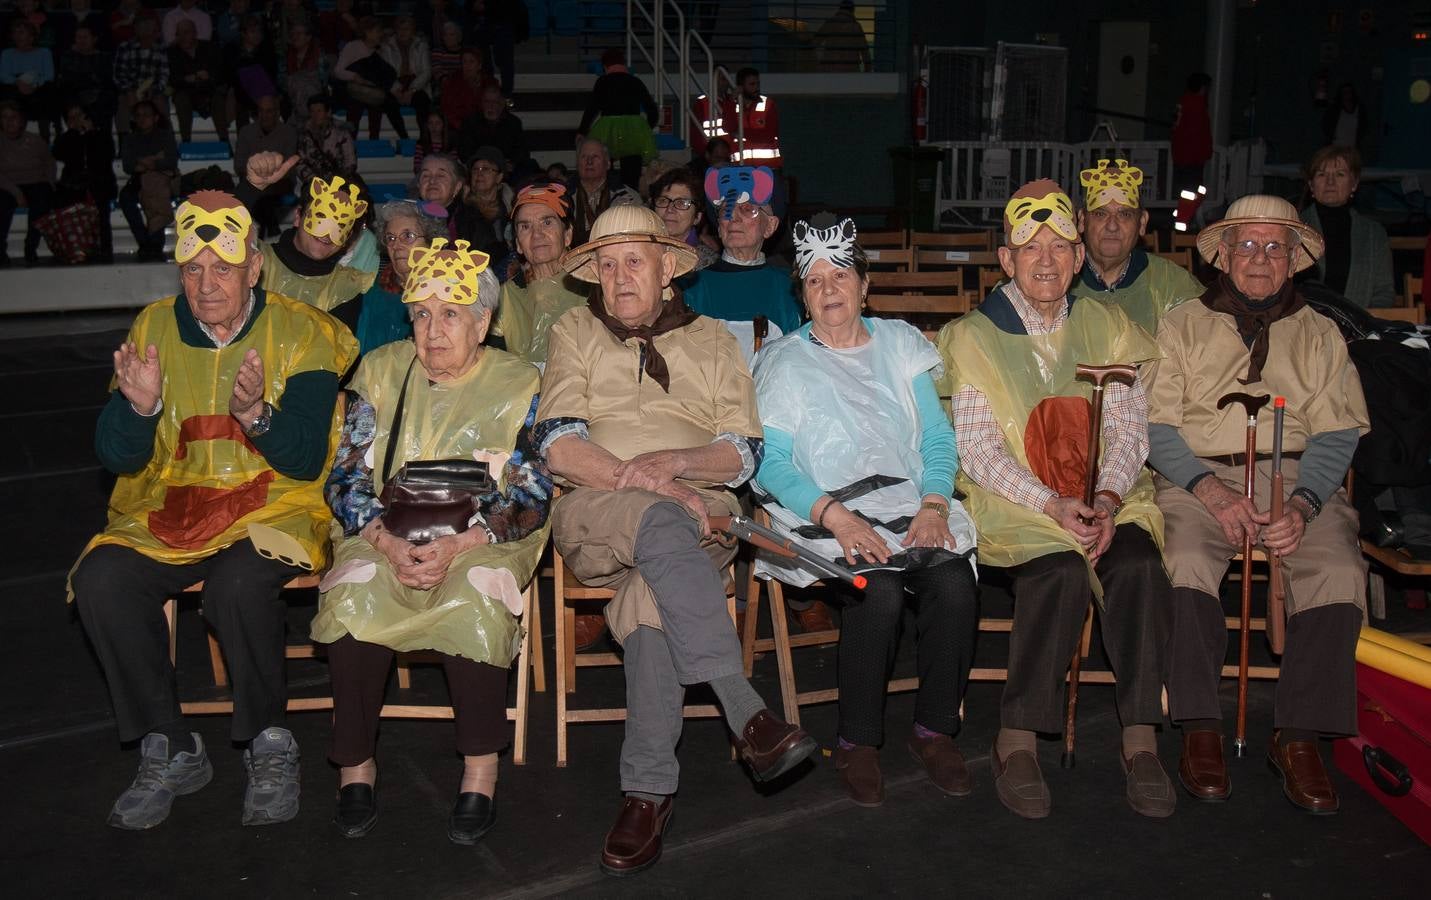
621, 225
1261, 209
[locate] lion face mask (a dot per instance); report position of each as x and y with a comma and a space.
212, 220
1035, 205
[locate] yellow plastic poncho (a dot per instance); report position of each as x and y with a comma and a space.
526, 315
1016, 372
1157, 289
206, 481
339, 286
473, 612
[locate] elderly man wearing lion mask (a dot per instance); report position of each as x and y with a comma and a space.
221, 421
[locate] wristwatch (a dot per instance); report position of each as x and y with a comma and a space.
259, 427
940, 509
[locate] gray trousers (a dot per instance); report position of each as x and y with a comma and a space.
696, 644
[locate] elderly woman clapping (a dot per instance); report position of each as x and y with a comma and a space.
859, 462
441, 397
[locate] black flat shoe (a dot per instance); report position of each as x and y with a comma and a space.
473, 815
357, 810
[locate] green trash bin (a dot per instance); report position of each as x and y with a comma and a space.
916, 183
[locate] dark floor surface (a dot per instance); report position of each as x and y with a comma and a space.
62, 766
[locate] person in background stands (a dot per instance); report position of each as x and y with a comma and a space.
187, 11
1357, 261
27, 176
494, 126
86, 77
407, 52
338, 26
446, 56
199, 86
369, 81
141, 72
462, 90
594, 192
87, 154
1345, 123
752, 123
303, 69
27, 76
228, 25
266, 133
254, 68
435, 141
82, 14
1192, 134
325, 146
499, 25
124, 21
151, 160
621, 114
441, 180
841, 41
1116, 268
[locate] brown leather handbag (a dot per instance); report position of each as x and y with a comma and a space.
428, 499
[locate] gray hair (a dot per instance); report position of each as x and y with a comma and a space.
1294, 237
430, 226
453, 164
605, 150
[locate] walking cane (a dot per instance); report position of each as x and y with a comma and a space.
1277, 578
1251, 404
1098, 375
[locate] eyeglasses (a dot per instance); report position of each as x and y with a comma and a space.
1273, 249
406, 237
486, 170
681, 203
747, 211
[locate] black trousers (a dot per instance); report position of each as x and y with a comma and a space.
1316, 689
1051, 596
359, 671
120, 594
41, 200
946, 606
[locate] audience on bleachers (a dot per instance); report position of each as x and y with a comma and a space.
82, 15
462, 90
494, 126
303, 70
86, 76
402, 226
621, 114
27, 75
199, 86
408, 54
367, 79
254, 69
447, 52
443, 181
268, 133
435, 141
187, 11
593, 191
151, 160
141, 72
86, 152
679, 199
27, 177
124, 21
486, 193
325, 147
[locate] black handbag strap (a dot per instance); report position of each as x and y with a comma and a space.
395, 433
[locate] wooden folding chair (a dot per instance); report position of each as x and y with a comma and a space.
1183, 240
964, 240
990, 277
1416, 315
518, 714
1411, 291
1150, 241
1179, 257
882, 260
569, 590
924, 295
884, 240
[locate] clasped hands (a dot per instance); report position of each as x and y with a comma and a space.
1239, 518
658, 472
1092, 526
421, 566
140, 379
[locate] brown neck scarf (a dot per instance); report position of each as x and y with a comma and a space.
674, 314
1254, 320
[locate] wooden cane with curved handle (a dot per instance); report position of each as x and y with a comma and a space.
1252, 405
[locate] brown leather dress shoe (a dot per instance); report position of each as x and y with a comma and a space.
1304, 778
943, 763
589, 628
858, 768
772, 746
815, 617
1019, 783
634, 842
1203, 770
1150, 790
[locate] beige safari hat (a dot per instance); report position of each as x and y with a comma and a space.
1260, 209
621, 225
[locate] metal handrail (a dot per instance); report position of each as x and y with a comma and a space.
682, 41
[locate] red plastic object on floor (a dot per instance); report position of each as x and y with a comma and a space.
1391, 758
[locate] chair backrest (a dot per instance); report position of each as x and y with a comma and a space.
966, 240
1406, 243
896, 240
919, 294
890, 260
1180, 257
1150, 242
1183, 240
989, 278
1414, 314
1411, 295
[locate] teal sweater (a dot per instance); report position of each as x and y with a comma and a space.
740, 293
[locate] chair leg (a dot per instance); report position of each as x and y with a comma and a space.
1376, 595
538, 655
519, 729
747, 639
216, 660
171, 612
780, 628
562, 653
568, 612
404, 670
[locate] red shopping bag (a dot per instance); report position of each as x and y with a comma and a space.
72, 232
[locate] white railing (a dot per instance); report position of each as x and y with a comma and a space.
677, 84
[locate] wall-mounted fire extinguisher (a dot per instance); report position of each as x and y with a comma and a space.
921, 106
